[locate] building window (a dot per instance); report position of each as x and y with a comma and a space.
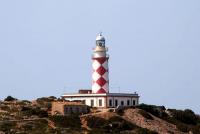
71, 110
77, 110
83, 110
83, 101
133, 102
66, 110
110, 103
116, 103
122, 103
128, 102
92, 103
100, 102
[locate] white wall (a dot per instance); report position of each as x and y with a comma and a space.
124, 99
88, 100
96, 100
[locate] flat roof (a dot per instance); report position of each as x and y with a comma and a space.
68, 103
98, 95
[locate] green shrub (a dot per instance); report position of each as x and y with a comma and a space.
29, 111
145, 131
196, 129
35, 127
111, 110
97, 131
114, 124
120, 124
182, 127
6, 126
46, 102
115, 119
10, 98
158, 111
5, 107
120, 112
46, 99
125, 125
66, 121
187, 116
145, 115
198, 118
96, 122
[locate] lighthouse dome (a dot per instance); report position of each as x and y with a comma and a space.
100, 37
100, 40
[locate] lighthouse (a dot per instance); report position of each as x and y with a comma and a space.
98, 95
100, 78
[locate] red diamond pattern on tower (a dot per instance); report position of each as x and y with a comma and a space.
101, 81
100, 75
101, 60
101, 70
101, 91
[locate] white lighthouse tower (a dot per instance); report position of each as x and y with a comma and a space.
100, 78
99, 96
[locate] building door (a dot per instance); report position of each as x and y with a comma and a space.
100, 102
128, 102
133, 102
122, 103
116, 103
91, 103
110, 103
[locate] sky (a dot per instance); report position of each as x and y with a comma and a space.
154, 48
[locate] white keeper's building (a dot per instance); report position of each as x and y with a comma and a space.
100, 96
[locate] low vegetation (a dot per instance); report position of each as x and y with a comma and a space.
146, 114
185, 120
10, 98
45, 102
72, 122
158, 111
23, 116
37, 111
115, 125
